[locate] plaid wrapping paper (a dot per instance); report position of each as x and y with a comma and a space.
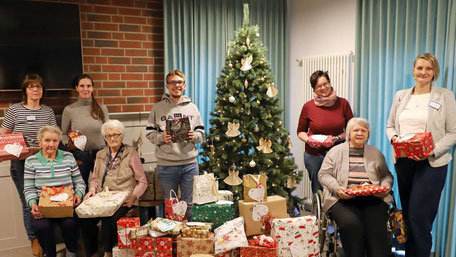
232, 253
186, 246
124, 226
258, 251
298, 235
51, 209
420, 144
116, 252
214, 213
156, 247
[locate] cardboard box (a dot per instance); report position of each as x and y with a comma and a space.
56, 209
12, 146
186, 246
254, 213
418, 144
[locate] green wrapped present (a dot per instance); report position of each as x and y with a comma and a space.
215, 213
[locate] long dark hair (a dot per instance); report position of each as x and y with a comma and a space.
96, 112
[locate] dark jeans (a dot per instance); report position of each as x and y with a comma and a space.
108, 231
86, 161
362, 225
313, 165
420, 188
45, 232
17, 174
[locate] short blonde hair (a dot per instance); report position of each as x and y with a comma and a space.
47, 128
112, 124
434, 62
175, 73
357, 121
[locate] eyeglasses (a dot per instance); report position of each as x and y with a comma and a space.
176, 82
322, 85
36, 86
113, 136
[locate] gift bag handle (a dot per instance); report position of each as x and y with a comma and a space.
171, 192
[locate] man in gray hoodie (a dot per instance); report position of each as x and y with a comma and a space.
176, 162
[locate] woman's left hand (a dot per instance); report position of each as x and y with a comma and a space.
191, 136
130, 200
77, 200
416, 158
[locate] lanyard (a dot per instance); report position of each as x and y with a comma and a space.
110, 162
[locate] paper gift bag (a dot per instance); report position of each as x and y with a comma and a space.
255, 188
103, 204
296, 236
116, 252
186, 246
174, 208
12, 146
124, 226
255, 213
154, 247
149, 194
216, 213
56, 202
418, 144
230, 236
204, 189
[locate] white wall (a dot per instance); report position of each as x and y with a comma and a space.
315, 27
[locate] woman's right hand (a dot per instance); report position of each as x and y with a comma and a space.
70, 144
89, 194
342, 194
36, 212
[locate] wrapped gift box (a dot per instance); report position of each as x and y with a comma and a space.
124, 226
51, 204
165, 226
364, 190
149, 246
139, 232
12, 146
230, 235
258, 251
149, 194
202, 255
296, 236
321, 140
255, 188
178, 129
196, 229
214, 213
186, 246
232, 253
255, 213
103, 204
225, 195
116, 252
418, 144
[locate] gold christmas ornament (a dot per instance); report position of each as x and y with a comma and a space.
289, 142
247, 41
246, 63
272, 91
233, 130
233, 178
265, 146
291, 182
246, 84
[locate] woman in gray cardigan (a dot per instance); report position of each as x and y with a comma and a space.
361, 219
423, 108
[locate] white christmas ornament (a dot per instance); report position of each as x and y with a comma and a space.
265, 146
272, 91
252, 163
256, 129
231, 99
246, 63
233, 130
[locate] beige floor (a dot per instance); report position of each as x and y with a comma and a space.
27, 252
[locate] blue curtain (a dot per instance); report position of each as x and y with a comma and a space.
389, 35
196, 34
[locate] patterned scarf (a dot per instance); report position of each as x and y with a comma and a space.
326, 101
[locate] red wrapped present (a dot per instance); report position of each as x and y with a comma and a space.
321, 140
124, 226
265, 241
254, 250
56, 202
418, 144
12, 146
366, 189
186, 246
156, 247
232, 253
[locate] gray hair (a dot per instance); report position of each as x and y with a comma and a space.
357, 121
112, 124
48, 128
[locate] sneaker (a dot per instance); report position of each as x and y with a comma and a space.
36, 248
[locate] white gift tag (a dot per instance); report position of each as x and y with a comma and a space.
259, 211
298, 250
14, 149
257, 194
80, 142
180, 208
164, 225
404, 137
319, 138
59, 198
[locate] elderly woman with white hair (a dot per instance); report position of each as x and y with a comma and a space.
361, 219
117, 167
52, 167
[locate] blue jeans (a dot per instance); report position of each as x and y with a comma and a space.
181, 175
313, 165
17, 174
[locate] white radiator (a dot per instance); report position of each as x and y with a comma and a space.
340, 67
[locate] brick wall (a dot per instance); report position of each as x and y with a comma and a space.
122, 48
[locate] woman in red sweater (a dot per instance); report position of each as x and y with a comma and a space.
326, 114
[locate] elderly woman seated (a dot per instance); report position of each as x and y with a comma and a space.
117, 167
361, 219
52, 167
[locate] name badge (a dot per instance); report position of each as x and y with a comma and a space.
434, 105
31, 117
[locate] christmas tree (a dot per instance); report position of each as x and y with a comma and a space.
247, 134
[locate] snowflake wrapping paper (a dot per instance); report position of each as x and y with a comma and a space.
186, 246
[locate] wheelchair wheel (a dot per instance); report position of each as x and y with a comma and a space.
321, 219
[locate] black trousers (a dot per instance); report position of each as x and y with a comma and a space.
86, 161
45, 232
108, 232
420, 188
362, 226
